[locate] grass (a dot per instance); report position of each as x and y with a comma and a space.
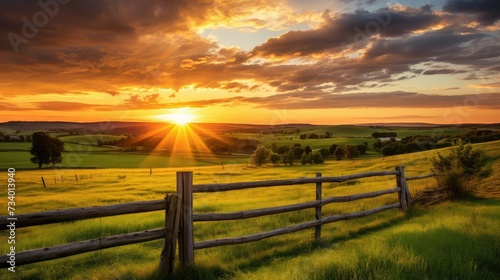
452, 240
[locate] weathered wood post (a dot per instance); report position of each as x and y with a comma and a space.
172, 217
317, 229
76, 177
401, 183
43, 181
186, 244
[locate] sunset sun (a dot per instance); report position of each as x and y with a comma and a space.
179, 117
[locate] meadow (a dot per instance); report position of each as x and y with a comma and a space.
451, 240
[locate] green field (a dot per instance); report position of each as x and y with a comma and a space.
456, 240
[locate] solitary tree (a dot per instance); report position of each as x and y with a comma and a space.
260, 156
45, 149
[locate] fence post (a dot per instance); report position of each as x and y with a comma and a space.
186, 244
317, 229
172, 216
43, 181
401, 183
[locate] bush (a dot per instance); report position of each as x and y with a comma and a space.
458, 171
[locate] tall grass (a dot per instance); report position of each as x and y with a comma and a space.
453, 240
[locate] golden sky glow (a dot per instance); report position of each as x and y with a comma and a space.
247, 61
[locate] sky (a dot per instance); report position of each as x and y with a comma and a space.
251, 61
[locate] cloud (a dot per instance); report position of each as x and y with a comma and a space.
448, 88
487, 12
336, 34
443, 72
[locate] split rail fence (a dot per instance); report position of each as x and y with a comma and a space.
179, 217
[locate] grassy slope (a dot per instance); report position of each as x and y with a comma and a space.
453, 240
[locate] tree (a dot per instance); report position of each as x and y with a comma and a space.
333, 147
56, 148
28, 138
40, 148
288, 157
6, 138
457, 171
388, 150
275, 158
317, 158
305, 159
298, 151
308, 150
351, 151
362, 149
339, 153
324, 152
260, 156
99, 143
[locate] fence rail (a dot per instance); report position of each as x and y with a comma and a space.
171, 205
75, 214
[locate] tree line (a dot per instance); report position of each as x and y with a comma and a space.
289, 155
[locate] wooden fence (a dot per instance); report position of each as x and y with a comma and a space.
179, 217
171, 204
185, 190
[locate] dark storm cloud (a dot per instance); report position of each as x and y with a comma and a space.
487, 12
346, 29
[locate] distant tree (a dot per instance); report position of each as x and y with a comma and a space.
28, 138
22, 138
339, 153
303, 136
324, 152
388, 150
351, 151
6, 138
260, 156
307, 150
313, 136
333, 147
275, 158
297, 131
99, 143
298, 151
288, 157
327, 135
362, 149
305, 159
45, 149
317, 158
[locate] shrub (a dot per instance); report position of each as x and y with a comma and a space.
275, 158
458, 171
